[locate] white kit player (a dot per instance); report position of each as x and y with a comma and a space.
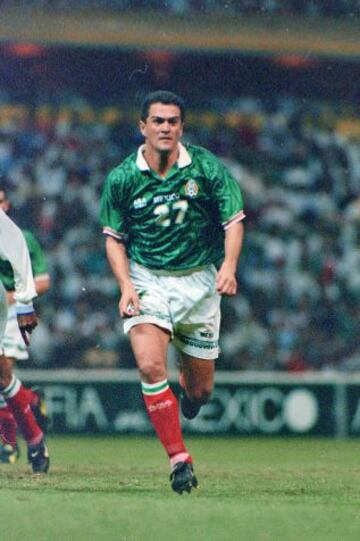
13, 248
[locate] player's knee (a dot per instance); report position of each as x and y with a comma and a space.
151, 371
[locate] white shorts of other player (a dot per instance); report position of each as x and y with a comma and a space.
187, 305
12, 342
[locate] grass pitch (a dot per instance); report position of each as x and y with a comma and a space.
117, 488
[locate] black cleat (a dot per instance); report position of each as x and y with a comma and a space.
9, 454
188, 408
40, 412
38, 457
182, 478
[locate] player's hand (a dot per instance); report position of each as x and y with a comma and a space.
129, 303
226, 283
27, 323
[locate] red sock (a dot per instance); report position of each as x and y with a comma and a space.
163, 410
7, 426
16, 397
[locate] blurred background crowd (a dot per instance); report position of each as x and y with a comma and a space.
288, 130
311, 8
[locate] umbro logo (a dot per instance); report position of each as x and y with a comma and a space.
140, 203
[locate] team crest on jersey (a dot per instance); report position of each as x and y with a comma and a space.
191, 188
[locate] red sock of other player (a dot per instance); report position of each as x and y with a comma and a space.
17, 399
163, 410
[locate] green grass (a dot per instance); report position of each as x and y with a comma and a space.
116, 488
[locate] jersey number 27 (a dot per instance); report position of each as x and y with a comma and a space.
168, 213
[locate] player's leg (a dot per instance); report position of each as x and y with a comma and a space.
197, 381
18, 398
6, 417
9, 450
15, 349
196, 314
8, 427
150, 343
150, 333
37, 403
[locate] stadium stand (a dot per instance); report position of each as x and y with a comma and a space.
310, 8
299, 168
291, 141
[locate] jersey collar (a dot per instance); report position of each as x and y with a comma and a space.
183, 161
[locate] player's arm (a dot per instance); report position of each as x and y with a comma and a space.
42, 285
13, 248
226, 283
226, 192
112, 217
119, 263
38, 264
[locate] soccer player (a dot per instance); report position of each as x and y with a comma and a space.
13, 344
172, 215
14, 394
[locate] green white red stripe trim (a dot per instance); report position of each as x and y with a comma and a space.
112, 233
239, 216
153, 389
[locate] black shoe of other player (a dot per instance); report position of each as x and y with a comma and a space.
38, 457
188, 408
182, 478
9, 454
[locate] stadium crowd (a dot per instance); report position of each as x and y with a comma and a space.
298, 164
308, 8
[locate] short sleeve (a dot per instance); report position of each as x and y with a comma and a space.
38, 259
227, 194
112, 217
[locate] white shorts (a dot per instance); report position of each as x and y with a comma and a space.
186, 304
12, 342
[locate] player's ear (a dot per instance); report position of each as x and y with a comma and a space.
142, 127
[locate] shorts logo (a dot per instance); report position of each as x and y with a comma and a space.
191, 188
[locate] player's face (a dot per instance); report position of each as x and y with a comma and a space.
163, 127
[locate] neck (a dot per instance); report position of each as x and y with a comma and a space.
161, 162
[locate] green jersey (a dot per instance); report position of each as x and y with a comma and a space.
174, 223
38, 262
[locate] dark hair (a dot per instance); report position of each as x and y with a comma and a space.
165, 97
